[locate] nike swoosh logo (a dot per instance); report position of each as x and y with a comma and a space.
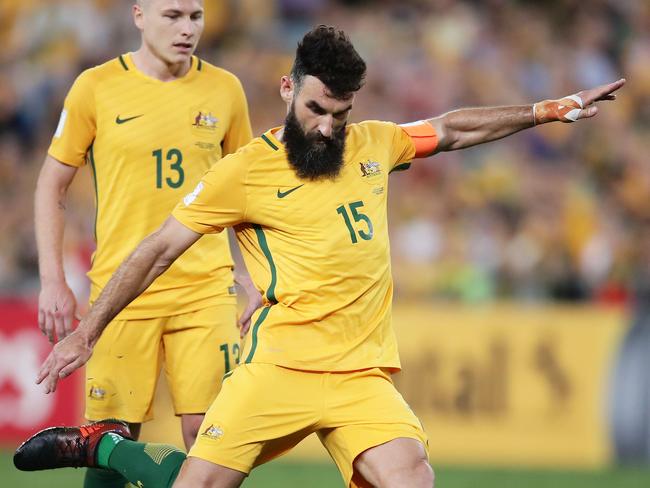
282, 194
121, 121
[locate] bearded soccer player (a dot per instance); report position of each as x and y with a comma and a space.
150, 123
308, 203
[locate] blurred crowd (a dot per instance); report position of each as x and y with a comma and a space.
561, 212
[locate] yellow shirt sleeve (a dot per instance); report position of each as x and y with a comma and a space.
391, 136
218, 200
240, 132
402, 147
77, 125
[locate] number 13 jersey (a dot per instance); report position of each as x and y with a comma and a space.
148, 142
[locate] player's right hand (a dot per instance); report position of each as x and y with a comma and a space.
66, 356
57, 309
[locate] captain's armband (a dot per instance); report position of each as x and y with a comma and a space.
424, 137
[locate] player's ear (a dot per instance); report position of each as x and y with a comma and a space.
286, 89
138, 16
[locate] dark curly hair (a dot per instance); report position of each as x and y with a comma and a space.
328, 54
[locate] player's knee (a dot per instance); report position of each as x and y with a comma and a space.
416, 475
194, 478
425, 475
197, 473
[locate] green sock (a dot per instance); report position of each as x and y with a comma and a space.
105, 448
144, 465
102, 478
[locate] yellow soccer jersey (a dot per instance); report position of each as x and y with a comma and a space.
148, 143
319, 249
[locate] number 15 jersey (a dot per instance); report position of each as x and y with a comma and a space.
319, 249
148, 143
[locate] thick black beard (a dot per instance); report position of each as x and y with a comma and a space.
313, 156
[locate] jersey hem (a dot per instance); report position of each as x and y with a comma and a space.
329, 368
158, 312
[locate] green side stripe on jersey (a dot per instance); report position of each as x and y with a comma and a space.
401, 167
126, 68
91, 157
270, 293
268, 141
256, 327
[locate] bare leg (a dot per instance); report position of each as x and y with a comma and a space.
198, 473
190, 424
135, 430
400, 463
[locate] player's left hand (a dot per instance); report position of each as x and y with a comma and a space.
597, 94
67, 355
254, 301
577, 106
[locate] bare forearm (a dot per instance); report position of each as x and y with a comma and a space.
150, 259
134, 275
471, 126
49, 222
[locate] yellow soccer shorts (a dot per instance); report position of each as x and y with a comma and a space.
197, 349
263, 410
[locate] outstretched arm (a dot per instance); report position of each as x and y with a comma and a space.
470, 126
149, 260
